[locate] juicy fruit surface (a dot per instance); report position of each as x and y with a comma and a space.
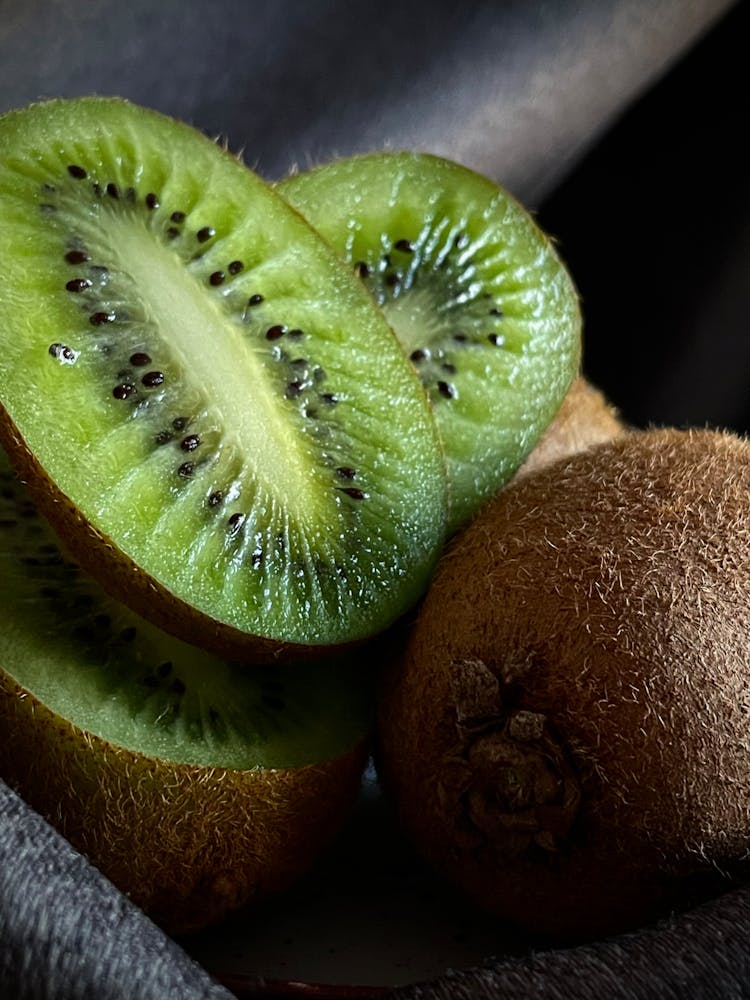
107, 671
202, 382
475, 292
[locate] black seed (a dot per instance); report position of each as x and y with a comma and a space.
75, 171
76, 257
330, 398
100, 318
140, 359
216, 278
361, 269
177, 217
392, 279
78, 284
205, 234
112, 190
152, 200
274, 332
299, 363
186, 470
496, 339
448, 368
405, 246
353, 492
177, 686
235, 267
296, 334
235, 522
319, 374
163, 437
255, 300
102, 621
164, 669
151, 379
461, 241
97, 189
62, 351
346, 472
256, 559
123, 390
215, 499
172, 233
446, 390
180, 423
293, 389
496, 311
420, 354
128, 633
49, 188
190, 443
460, 338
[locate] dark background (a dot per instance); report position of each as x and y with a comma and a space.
655, 226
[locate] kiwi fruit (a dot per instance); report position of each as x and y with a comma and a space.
202, 397
475, 292
194, 784
585, 418
566, 736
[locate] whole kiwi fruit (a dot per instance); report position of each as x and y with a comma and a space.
566, 736
585, 418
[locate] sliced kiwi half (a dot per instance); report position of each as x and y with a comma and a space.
194, 784
476, 293
203, 399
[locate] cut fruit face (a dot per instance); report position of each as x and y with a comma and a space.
479, 299
205, 404
95, 663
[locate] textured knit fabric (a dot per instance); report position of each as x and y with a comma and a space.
67, 934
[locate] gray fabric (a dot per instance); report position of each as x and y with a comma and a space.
517, 90
67, 934
704, 955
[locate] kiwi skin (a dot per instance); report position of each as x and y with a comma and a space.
585, 418
566, 735
187, 843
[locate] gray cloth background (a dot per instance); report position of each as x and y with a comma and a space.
517, 90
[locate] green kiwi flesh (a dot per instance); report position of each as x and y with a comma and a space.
477, 295
566, 735
202, 398
192, 783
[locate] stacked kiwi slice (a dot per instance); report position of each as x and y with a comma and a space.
240, 424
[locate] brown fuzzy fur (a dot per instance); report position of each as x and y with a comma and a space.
569, 731
184, 842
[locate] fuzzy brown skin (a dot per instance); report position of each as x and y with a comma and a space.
585, 418
186, 843
568, 733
